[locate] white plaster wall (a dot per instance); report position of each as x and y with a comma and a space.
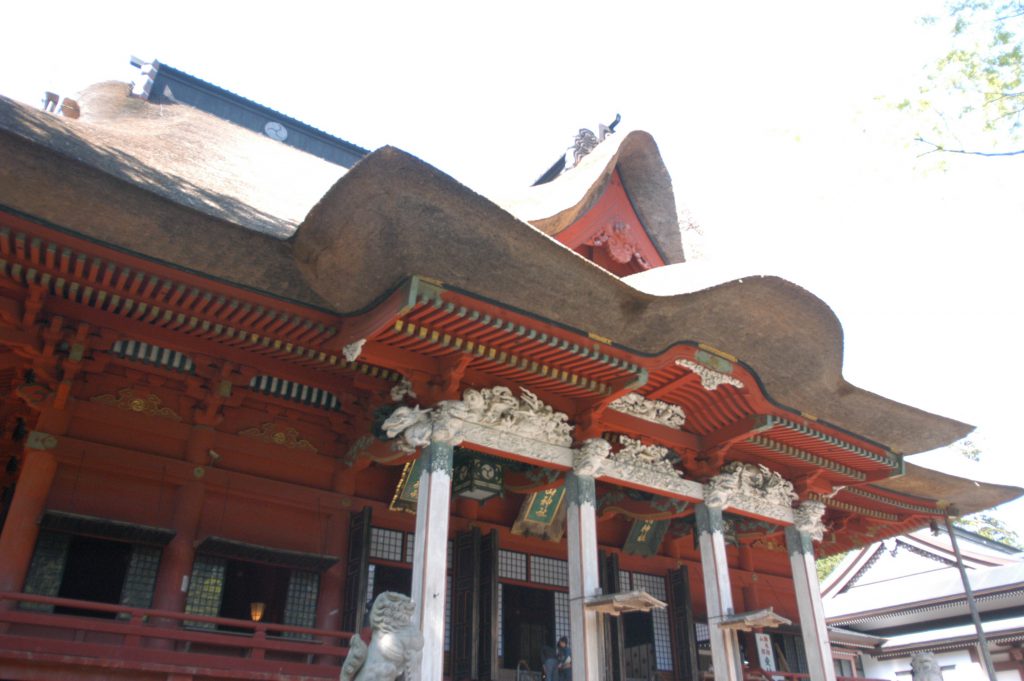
960, 660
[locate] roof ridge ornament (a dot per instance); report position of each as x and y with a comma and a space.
586, 141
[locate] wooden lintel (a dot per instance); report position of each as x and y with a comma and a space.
397, 359
590, 415
673, 438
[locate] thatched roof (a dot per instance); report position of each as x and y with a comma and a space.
554, 206
959, 495
185, 155
185, 188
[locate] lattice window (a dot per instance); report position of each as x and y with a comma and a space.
386, 544
624, 581
702, 633
140, 579
448, 612
300, 603
652, 584
549, 571
792, 648
205, 589
655, 586
410, 549
501, 617
512, 565
371, 573
46, 570
561, 614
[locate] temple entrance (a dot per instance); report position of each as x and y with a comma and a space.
389, 578
246, 584
528, 625
94, 571
638, 641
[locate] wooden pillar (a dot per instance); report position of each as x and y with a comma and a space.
171, 589
799, 539
725, 653
584, 580
430, 559
39, 468
332, 583
751, 601
176, 561
21, 529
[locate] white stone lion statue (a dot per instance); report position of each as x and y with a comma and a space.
395, 643
924, 667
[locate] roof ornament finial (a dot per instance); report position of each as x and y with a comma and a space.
586, 141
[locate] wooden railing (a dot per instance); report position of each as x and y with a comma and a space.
756, 675
122, 637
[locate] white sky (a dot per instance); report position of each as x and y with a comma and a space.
774, 120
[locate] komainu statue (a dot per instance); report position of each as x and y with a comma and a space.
395, 643
924, 667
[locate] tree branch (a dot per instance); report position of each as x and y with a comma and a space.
937, 147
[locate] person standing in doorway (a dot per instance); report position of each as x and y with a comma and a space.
564, 657
550, 664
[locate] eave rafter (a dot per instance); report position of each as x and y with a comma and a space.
509, 346
420, 329
164, 310
865, 513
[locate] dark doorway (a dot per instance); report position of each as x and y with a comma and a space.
247, 583
388, 578
94, 571
638, 639
528, 625
639, 628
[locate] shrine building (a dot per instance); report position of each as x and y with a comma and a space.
254, 376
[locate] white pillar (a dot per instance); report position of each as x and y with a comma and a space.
799, 538
430, 558
725, 648
581, 531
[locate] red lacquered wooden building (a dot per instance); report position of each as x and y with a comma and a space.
246, 389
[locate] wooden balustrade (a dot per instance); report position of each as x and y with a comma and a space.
121, 637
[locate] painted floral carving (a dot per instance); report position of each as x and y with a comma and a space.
807, 518
353, 350
755, 484
653, 457
401, 390
656, 411
526, 416
709, 378
622, 245
140, 403
589, 458
278, 435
